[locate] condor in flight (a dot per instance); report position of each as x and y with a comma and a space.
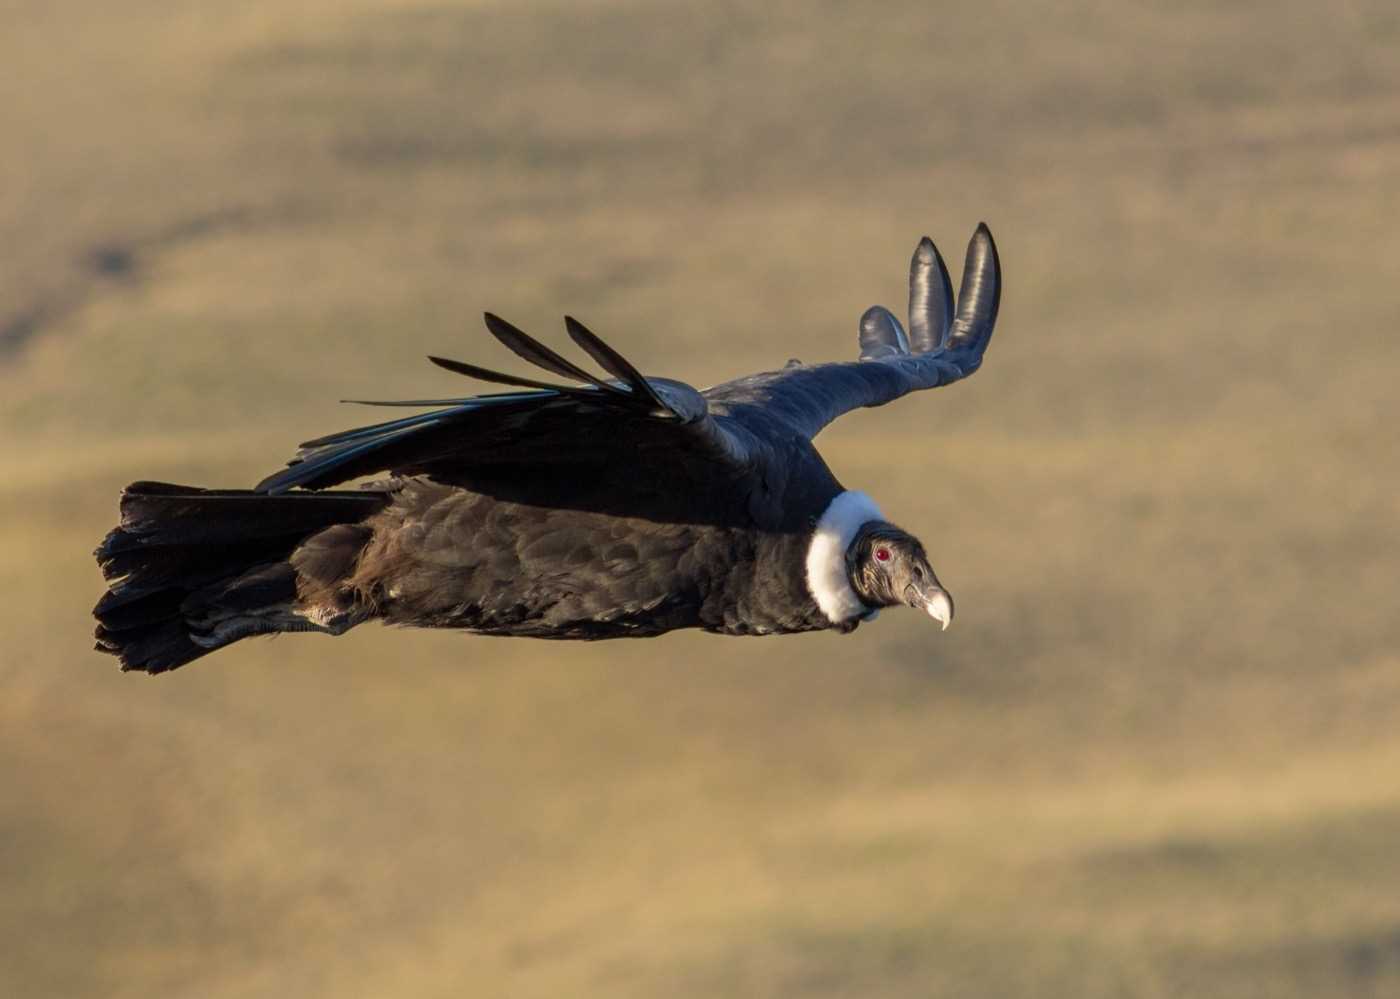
589, 507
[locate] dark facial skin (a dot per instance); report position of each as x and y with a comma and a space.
888, 567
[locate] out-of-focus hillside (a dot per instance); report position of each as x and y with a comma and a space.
1157, 755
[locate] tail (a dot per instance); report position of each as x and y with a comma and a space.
192, 570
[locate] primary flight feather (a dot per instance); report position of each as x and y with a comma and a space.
590, 507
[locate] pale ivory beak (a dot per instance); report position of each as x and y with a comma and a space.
940, 607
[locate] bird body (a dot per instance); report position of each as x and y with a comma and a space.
621, 507
446, 557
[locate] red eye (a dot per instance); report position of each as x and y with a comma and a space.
883, 554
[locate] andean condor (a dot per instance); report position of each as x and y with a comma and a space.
588, 508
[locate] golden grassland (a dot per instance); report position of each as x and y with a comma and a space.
1156, 756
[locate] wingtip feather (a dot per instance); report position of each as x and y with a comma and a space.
979, 295
931, 305
881, 335
529, 349
613, 362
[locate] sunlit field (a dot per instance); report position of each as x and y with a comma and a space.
1157, 755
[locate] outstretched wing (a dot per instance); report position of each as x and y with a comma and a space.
632, 442
543, 442
943, 345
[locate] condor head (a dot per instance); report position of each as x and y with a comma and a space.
887, 567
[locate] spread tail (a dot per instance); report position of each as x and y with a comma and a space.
192, 570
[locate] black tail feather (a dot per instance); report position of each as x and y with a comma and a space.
162, 647
181, 552
125, 612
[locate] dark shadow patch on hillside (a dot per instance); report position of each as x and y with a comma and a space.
19, 328
1347, 850
105, 266
113, 261
1363, 963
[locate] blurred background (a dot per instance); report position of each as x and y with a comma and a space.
1156, 756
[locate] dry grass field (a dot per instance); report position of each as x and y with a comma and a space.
1157, 756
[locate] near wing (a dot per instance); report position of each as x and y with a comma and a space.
541, 443
942, 346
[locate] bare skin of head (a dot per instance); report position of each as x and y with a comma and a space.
888, 567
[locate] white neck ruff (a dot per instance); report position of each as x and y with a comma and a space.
826, 556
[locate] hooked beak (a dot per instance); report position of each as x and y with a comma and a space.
933, 599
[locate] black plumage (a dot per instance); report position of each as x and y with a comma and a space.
591, 507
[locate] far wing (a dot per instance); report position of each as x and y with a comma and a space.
598, 442
942, 346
